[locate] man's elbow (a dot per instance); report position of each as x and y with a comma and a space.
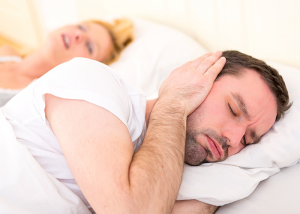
193, 207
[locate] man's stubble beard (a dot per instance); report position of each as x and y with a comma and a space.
196, 154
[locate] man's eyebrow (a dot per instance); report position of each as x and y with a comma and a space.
241, 104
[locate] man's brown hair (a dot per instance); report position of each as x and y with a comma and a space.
236, 62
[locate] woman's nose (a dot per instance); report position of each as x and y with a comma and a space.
78, 36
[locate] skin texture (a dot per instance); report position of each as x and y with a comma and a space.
132, 183
87, 40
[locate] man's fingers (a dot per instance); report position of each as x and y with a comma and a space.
214, 70
192, 64
195, 63
209, 61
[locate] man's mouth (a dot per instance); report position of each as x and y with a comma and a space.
215, 149
66, 40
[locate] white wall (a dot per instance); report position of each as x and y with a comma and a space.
267, 29
17, 22
56, 13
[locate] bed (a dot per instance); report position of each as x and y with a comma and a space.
164, 30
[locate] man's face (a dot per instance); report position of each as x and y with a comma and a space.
236, 113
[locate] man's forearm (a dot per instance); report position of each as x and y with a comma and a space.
156, 170
157, 167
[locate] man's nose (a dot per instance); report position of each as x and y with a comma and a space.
234, 133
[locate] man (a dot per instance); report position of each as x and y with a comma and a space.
80, 121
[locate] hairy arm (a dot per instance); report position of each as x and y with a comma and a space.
99, 151
111, 177
193, 207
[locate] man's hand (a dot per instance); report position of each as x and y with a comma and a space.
189, 84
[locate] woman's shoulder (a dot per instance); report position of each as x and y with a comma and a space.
6, 50
9, 55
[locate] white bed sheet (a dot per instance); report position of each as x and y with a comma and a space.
279, 194
25, 187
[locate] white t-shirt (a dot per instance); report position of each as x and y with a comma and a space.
81, 79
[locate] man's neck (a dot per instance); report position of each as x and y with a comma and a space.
149, 106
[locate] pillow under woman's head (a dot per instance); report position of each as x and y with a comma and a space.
155, 52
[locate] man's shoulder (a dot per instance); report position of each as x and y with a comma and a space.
96, 83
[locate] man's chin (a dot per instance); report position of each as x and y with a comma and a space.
195, 156
195, 163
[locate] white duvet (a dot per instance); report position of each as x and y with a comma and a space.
25, 187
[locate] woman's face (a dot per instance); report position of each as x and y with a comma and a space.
89, 40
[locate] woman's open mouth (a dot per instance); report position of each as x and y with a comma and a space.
66, 40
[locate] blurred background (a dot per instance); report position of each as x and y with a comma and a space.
266, 29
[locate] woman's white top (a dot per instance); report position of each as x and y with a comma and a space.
10, 59
81, 79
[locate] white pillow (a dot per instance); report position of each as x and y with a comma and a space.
25, 187
155, 52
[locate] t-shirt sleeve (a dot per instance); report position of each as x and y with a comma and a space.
84, 79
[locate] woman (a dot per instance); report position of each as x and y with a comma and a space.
96, 40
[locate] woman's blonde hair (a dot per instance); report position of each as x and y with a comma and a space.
121, 32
